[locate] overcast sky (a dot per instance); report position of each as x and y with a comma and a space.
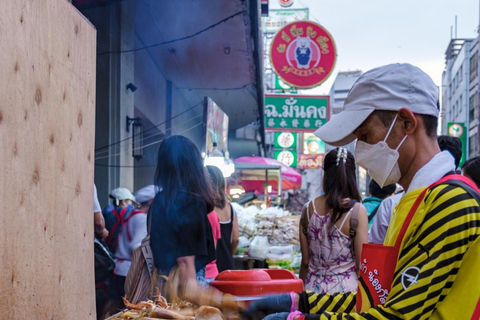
371, 33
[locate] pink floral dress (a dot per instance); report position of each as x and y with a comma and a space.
331, 267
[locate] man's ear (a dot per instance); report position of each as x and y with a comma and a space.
409, 120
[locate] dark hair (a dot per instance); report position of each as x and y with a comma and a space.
180, 168
429, 122
452, 145
218, 184
471, 167
378, 192
339, 182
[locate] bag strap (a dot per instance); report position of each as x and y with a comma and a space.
145, 246
354, 220
421, 197
374, 212
119, 221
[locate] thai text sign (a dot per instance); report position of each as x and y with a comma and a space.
278, 19
295, 112
303, 54
310, 161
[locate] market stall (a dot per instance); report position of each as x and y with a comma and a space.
262, 178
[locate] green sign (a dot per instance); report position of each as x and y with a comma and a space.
281, 86
296, 112
285, 140
288, 157
458, 130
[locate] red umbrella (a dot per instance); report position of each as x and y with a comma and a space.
291, 179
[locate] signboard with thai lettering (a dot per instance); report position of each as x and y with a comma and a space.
310, 161
278, 19
303, 54
296, 112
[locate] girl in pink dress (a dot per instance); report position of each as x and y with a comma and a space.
330, 257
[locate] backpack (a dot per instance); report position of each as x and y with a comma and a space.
104, 263
121, 218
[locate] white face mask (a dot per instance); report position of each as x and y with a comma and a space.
380, 160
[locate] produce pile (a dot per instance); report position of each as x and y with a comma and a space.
270, 234
160, 309
187, 301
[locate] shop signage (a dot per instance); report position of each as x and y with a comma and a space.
285, 140
281, 86
303, 54
458, 130
288, 157
312, 144
278, 19
215, 123
296, 112
285, 3
309, 161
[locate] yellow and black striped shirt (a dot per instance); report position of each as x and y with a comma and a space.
436, 275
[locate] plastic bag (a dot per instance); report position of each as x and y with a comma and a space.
259, 247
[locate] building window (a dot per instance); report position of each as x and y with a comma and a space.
473, 107
460, 74
341, 91
474, 67
473, 145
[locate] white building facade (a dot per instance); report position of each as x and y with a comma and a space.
459, 102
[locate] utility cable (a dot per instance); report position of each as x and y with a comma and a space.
150, 144
151, 136
155, 126
178, 39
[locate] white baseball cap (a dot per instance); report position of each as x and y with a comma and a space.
391, 87
146, 193
122, 194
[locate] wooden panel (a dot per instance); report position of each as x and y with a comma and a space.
47, 90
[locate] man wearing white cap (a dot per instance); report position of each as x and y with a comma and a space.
392, 111
133, 231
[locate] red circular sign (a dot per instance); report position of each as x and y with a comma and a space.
303, 54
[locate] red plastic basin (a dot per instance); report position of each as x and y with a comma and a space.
257, 282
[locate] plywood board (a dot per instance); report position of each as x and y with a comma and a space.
47, 90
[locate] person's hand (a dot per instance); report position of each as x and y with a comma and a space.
103, 234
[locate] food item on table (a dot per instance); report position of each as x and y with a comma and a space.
208, 313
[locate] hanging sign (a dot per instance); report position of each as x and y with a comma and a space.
288, 157
285, 3
279, 18
459, 130
285, 140
309, 161
294, 112
303, 54
312, 144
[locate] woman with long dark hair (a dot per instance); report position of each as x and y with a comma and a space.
227, 244
180, 232
330, 257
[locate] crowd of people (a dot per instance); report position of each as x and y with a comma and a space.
190, 219
421, 205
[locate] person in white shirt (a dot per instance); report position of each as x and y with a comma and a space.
382, 219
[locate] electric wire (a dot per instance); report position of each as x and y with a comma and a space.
148, 145
175, 40
155, 126
149, 137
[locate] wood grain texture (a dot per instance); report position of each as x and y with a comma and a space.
47, 117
